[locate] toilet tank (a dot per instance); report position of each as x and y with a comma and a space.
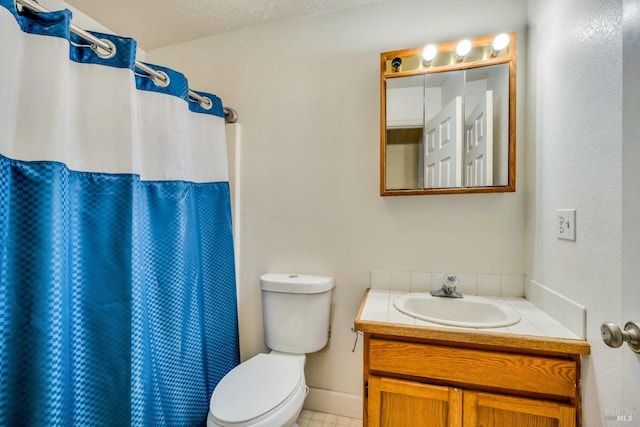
295, 311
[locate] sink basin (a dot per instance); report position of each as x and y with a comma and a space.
468, 312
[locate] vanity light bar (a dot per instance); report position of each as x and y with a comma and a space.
452, 55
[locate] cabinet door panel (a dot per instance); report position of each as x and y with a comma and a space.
484, 409
397, 403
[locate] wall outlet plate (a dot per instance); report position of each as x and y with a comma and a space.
566, 224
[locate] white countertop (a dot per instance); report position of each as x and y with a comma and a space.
379, 307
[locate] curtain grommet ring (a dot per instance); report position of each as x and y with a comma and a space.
206, 103
160, 79
102, 52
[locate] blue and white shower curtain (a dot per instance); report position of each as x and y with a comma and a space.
117, 283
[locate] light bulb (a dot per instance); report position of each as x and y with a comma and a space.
429, 53
463, 48
500, 42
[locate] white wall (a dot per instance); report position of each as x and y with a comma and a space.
80, 19
307, 92
574, 136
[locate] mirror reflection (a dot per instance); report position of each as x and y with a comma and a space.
448, 128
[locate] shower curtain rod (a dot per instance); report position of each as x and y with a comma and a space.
230, 115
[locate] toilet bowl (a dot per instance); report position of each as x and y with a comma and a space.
269, 389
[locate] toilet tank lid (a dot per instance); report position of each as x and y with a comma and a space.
296, 283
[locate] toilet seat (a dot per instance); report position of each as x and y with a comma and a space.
255, 388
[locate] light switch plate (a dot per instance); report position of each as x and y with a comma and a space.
566, 223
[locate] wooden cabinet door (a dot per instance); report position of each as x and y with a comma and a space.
398, 403
492, 410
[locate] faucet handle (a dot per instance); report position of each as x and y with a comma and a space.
450, 282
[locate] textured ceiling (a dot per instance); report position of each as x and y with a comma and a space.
157, 23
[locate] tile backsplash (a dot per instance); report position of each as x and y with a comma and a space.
502, 285
568, 312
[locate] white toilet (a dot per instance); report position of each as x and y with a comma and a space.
268, 390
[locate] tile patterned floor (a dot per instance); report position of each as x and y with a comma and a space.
309, 418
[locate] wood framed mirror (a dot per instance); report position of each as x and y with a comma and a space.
448, 118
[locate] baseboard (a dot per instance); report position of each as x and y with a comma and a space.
333, 402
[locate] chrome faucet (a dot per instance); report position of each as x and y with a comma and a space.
448, 287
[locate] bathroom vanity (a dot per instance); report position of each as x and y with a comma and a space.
426, 374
